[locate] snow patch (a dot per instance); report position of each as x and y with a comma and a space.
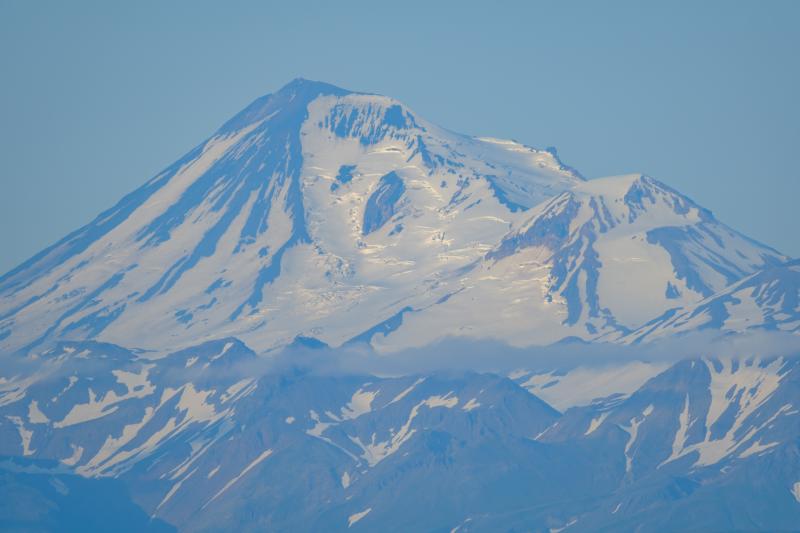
353, 518
406, 392
596, 422
229, 484
360, 403
471, 404
581, 385
77, 453
757, 448
633, 430
376, 451
442, 401
35, 415
25, 435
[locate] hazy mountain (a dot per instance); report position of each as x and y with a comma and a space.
179, 361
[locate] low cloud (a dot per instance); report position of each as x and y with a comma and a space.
462, 354
448, 355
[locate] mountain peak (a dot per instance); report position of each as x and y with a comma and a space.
614, 185
623, 185
293, 98
299, 85
628, 196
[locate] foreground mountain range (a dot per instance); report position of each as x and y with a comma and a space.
211, 439
181, 358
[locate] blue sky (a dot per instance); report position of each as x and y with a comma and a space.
96, 97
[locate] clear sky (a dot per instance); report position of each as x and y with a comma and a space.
96, 97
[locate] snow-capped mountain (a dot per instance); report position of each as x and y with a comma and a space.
345, 217
314, 210
186, 343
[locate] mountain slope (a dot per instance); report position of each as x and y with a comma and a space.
768, 300
708, 445
624, 249
346, 218
209, 439
44, 496
287, 207
596, 261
